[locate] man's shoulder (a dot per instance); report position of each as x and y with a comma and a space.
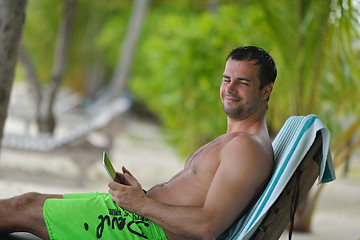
247, 147
247, 140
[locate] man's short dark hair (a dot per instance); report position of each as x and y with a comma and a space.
268, 71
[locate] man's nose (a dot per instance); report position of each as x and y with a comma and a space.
231, 88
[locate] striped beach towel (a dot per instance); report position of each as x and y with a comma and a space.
290, 146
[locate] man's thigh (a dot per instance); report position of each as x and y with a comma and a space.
94, 216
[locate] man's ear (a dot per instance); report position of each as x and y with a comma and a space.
267, 90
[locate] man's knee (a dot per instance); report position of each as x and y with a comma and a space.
28, 197
29, 200
25, 214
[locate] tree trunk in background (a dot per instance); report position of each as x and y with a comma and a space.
46, 118
12, 17
119, 78
45, 97
31, 78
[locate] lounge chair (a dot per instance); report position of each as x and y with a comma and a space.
302, 154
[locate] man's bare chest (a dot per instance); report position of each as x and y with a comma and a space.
207, 158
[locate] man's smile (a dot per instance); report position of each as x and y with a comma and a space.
231, 98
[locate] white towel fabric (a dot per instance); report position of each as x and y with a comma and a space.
290, 146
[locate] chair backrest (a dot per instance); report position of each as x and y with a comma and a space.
283, 209
300, 140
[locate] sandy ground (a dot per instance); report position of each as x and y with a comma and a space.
140, 146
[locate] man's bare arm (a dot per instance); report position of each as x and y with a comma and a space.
243, 170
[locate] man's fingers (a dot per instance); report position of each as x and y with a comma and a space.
119, 177
130, 179
112, 185
126, 171
111, 192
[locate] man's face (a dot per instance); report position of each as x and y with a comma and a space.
239, 91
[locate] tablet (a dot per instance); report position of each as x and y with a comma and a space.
108, 166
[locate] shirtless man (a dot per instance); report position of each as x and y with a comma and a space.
218, 184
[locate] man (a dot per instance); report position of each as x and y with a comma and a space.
218, 184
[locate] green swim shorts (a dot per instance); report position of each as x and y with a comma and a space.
95, 216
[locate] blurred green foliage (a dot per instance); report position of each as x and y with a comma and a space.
178, 69
179, 63
180, 57
96, 36
39, 34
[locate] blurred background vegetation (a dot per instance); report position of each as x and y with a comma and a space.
179, 59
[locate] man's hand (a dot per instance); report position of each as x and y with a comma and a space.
120, 177
126, 191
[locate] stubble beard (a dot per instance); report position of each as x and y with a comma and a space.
241, 110
233, 113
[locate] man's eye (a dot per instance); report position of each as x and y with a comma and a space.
245, 83
226, 80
